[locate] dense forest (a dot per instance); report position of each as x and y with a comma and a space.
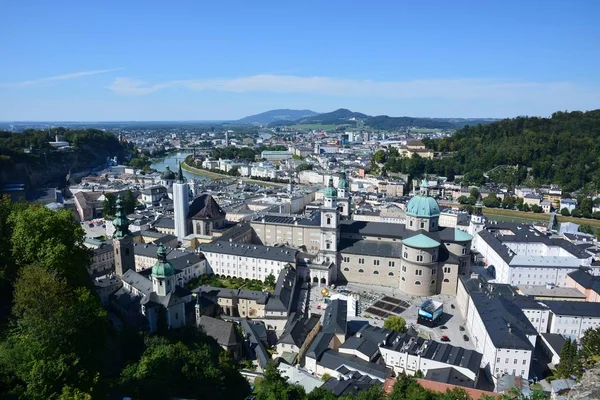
385, 123
563, 149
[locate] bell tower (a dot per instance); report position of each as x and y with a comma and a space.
122, 242
330, 217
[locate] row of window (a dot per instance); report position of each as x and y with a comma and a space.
514, 371
508, 360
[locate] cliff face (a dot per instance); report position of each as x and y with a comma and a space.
52, 169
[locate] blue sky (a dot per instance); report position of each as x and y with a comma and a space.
207, 60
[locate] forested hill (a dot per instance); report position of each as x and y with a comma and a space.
563, 149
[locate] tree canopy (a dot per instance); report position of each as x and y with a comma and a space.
395, 323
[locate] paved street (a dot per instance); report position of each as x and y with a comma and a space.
95, 230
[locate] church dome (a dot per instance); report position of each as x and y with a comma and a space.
162, 268
423, 207
343, 182
330, 190
168, 174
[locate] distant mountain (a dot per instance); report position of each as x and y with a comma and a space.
275, 115
380, 122
337, 117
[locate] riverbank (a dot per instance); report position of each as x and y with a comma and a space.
216, 175
541, 217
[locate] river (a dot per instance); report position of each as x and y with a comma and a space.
172, 162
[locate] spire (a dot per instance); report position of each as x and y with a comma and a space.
162, 268
181, 178
121, 222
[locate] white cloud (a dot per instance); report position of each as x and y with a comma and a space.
58, 78
452, 89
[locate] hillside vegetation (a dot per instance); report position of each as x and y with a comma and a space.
563, 149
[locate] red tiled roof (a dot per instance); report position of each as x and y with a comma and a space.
441, 388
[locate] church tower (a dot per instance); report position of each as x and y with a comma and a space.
122, 242
163, 274
330, 216
181, 206
477, 223
344, 195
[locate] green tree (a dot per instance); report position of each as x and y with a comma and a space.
565, 212
274, 387
53, 240
395, 323
325, 377
474, 192
526, 207
304, 167
567, 362
590, 348
576, 212
463, 200
168, 370
129, 202
536, 209
59, 337
492, 201
270, 280
585, 228
321, 394
109, 205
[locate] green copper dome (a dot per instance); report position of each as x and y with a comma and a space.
343, 182
330, 191
168, 174
423, 206
162, 268
121, 222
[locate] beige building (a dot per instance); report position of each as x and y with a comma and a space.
420, 258
237, 302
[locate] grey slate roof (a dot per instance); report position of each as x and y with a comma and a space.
437, 351
284, 293
554, 340
164, 222
298, 328
255, 342
449, 375
313, 220
370, 248
138, 281
283, 254
222, 331
351, 385
574, 308
504, 321
210, 291
335, 317
362, 345
586, 279
334, 360
377, 229
319, 345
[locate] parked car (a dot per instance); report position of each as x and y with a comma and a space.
445, 338
466, 338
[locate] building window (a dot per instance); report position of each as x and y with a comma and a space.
515, 361
446, 280
392, 264
403, 279
405, 255
433, 271
446, 270
328, 246
419, 258
346, 269
176, 316
411, 222
328, 221
433, 257
418, 283
404, 268
524, 362
498, 359
422, 225
522, 372
418, 272
433, 282
375, 262
390, 274
464, 251
375, 272
506, 362
361, 270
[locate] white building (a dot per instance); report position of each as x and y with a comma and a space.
247, 261
520, 255
502, 333
572, 318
